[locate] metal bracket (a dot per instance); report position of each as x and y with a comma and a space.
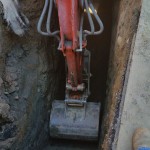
80, 104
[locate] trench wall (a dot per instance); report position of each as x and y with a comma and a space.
125, 21
28, 75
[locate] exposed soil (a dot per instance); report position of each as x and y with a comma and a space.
27, 68
125, 22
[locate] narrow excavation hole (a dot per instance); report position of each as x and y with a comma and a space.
35, 72
32, 71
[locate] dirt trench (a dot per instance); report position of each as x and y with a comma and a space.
32, 74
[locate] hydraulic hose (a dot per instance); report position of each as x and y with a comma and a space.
90, 20
48, 6
39, 26
86, 32
87, 6
48, 23
97, 18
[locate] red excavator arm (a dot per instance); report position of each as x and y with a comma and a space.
69, 13
72, 37
73, 118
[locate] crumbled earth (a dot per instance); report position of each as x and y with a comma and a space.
27, 83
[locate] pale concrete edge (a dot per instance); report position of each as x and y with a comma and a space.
135, 39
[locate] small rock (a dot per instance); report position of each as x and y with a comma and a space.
16, 97
6, 93
13, 76
4, 110
5, 114
8, 78
15, 83
38, 90
12, 89
120, 41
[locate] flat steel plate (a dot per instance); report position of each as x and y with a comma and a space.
74, 122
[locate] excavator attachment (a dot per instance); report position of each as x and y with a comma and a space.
74, 117
75, 122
